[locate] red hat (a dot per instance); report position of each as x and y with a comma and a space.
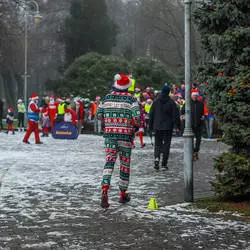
10, 109
122, 82
98, 98
34, 97
52, 96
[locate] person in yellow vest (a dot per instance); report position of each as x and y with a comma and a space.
137, 94
21, 109
131, 89
61, 110
148, 105
147, 109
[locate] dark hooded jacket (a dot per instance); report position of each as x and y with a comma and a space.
197, 111
164, 114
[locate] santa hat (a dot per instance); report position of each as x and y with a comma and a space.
122, 82
10, 109
149, 101
148, 88
194, 94
52, 97
98, 98
34, 97
137, 89
143, 103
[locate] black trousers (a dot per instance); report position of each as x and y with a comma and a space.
197, 135
20, 120
1, 122
162, 143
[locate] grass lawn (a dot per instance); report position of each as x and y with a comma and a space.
213, 204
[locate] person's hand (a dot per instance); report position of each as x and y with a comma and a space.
182, 117
203, 118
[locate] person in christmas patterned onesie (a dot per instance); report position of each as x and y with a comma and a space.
121, 115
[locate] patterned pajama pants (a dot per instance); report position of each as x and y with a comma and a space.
113, 148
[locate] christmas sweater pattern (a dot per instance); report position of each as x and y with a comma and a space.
121, 115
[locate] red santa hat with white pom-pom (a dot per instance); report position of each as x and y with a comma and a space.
122, 82
34, 97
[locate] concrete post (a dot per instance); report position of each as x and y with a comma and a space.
188, 134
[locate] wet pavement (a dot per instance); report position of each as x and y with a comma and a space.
50, 195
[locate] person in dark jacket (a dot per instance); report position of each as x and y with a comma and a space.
1, 115
197, 118
163, 116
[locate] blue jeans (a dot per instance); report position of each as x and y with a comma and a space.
209, 121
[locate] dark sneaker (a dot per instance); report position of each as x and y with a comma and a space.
157, 162
104, 200
124, 197
164, 165
39, 142
27, 142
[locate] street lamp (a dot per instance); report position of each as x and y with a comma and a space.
37, 18
188, 133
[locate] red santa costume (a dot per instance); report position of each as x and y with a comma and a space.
80, 111
52, 110
33, 118
46, 123
70, 116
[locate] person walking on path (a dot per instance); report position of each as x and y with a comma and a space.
163, 117
10, 121
197, 118
21, 113
33, 118
121, 115
1, 115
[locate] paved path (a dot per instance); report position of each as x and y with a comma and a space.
49, 199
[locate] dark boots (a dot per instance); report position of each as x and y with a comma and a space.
124, 197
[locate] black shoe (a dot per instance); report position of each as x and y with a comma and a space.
156, 164
164, 165
27, 142
39, 142
43, 135
13, 132
104, 200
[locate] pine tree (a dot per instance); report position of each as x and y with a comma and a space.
225, 31
88, 29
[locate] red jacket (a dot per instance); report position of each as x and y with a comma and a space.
72, 117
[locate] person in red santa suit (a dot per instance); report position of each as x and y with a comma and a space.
71, 116
79, 108
149, 92
33, 118
45, 121
52, 110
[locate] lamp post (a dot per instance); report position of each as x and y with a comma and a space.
188, 133
37, 18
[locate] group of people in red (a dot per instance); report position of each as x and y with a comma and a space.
52, 111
